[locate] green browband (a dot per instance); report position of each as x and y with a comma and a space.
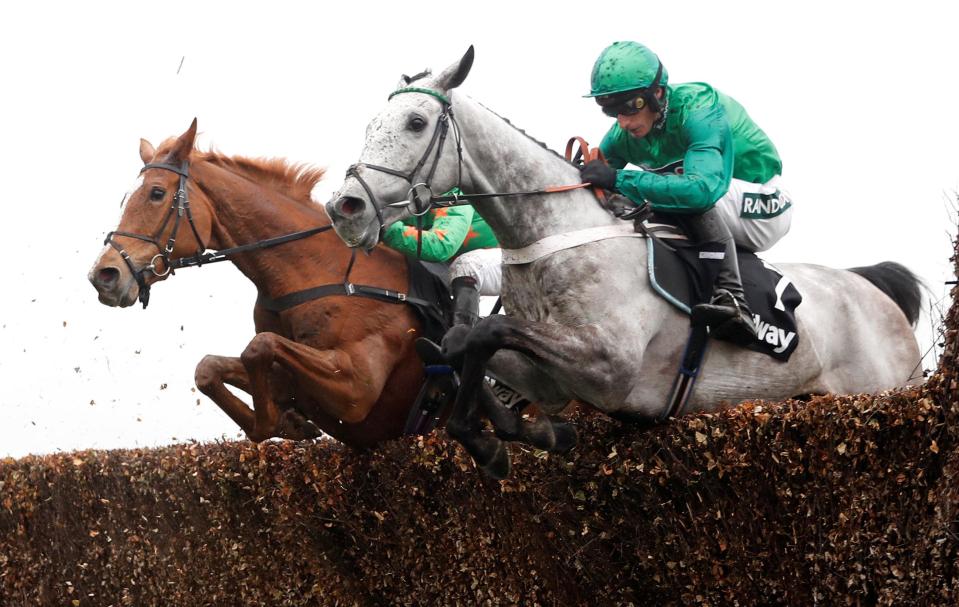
415, 89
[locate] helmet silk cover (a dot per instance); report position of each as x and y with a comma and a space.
625, 66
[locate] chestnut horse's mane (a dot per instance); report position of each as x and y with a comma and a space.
295, 180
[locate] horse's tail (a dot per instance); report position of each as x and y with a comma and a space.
899, 283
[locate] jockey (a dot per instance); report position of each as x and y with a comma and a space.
702, 158
459, 235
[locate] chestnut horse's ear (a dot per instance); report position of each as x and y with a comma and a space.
147, 151
183, 146
454, 75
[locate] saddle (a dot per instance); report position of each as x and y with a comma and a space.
683, 272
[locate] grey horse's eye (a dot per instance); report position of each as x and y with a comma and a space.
417, 123
157, 193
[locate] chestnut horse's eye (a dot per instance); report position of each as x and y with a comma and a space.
417, 123
157, 193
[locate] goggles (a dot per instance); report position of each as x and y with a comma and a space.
621, 104
629, 107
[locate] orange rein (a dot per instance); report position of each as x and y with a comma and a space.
584, 153
587, 155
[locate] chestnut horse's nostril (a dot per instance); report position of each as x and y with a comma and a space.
107, 277
347, 206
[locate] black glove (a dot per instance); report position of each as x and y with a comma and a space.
599, 174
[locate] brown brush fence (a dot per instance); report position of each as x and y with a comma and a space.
838, 501
849, 500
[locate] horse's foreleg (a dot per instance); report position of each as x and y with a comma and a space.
211, 376
346, 387
214, 373
465, 425
542, 431
570, 357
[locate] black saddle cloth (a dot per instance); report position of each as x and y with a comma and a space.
683, 273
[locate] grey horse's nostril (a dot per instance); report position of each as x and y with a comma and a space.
347, 206
107, 277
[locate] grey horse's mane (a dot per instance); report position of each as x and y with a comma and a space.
428, 72
524, 133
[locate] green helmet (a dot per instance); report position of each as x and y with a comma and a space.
625, 66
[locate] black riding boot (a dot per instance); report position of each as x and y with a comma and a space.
727, 314
465, 315
465, 300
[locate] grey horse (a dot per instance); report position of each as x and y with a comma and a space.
583, 321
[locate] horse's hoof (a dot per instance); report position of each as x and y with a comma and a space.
540, 433
294, 426
498, 468
566, 437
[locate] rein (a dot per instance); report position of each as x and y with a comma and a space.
583, 154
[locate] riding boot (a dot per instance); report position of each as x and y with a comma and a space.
465, 301
727, 314
465, 315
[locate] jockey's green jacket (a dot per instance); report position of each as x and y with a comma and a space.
707, 136
447, 233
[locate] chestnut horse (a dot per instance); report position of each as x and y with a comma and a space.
343, 364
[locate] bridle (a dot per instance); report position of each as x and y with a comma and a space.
420, 206
179, 209
420, 198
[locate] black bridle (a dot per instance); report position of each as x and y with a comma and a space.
420, 195
420, 198
179, 209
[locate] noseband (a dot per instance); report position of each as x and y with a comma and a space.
179, 209
420, 193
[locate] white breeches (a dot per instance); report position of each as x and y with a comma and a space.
757, 214
484, 266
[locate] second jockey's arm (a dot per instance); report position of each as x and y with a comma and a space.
440, 242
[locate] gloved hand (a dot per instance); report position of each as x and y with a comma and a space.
599, 174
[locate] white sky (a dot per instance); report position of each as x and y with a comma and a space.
858, 97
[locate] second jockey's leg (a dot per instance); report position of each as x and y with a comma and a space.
472, 274
466, 298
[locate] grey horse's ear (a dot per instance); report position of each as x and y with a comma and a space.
454, 75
